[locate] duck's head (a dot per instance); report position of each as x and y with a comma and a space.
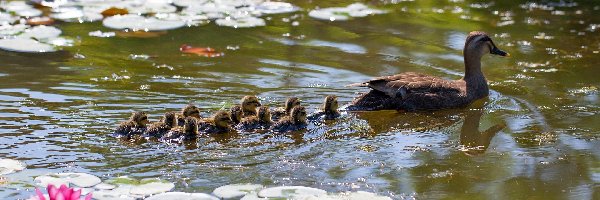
191, 125
479, 43
291, 103
264, 114
330, 105
222, 119
236, 114
191, 111
170, 119
299, 114
250, 103
139, 118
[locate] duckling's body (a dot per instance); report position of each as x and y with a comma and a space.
261, 121
136, 125
236, 114
296, 121
280, 112
414, 91
328, 110
189, 110
188, 132
218, 123
158, 129
249, 105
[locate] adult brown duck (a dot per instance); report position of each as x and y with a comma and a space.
412, 91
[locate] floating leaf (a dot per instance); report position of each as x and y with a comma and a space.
344, 13
236, 190
137, 22
244, 22
112, 11
25, 45
8, 166
182, 196
78, 179
290, 191
201, 51
41, 32
35, 21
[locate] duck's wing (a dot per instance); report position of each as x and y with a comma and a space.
400, 85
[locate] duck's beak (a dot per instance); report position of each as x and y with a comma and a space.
499, 52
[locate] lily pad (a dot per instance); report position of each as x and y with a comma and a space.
182, 196
360, 195
236, 190
273, 7
152, 188
245, 22
290, 191
144, 187
8, 29
78, 179
137, 22
25, 45
41, 32
344, 13
9, 166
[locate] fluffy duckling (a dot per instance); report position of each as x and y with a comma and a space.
158, 129
261, 121
412, 91
218, 123
249, 105
236, 114
328, 109
188, 132
294, 122
135, 125
188, 111
285, 111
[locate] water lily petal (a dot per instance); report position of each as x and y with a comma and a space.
59, 196
88, 196
75, 194
52, 191
40, 194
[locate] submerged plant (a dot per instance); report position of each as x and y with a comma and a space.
61, 193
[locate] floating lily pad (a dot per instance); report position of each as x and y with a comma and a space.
236, 190
272, 7
137, 22
344, 13
186, 3
245, 22
41, 32
290, 191
360, 195
142, 187
6, 18
152, 188
78, 179
111, 195
8, 29
25, 45
182, 196
9, 166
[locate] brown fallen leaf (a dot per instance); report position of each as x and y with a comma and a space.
140, 34
112, 11
201, 51
35, 21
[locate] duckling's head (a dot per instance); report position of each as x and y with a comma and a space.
299, 114
139, 118
291, 103
191, 125
191, 111
250, 103
236, 114
170, 119
222, 119
330, 105
479, 43
264, 114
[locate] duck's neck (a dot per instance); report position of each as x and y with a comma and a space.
474, 78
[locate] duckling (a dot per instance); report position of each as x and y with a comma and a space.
249, 105
188, 132
285, 111
261, 121
187, 111
158, 129
328, 110
218, 123
136, 125
296, 121
412, 91
236, 114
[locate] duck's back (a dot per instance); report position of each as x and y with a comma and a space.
411, 91
157, 130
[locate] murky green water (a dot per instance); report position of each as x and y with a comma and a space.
539, 127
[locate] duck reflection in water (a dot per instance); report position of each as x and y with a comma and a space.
473, 141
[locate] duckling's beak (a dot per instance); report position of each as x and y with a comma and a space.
499, 52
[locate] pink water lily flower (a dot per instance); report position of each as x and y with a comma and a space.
61, 193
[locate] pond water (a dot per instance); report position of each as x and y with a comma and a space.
535, 137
